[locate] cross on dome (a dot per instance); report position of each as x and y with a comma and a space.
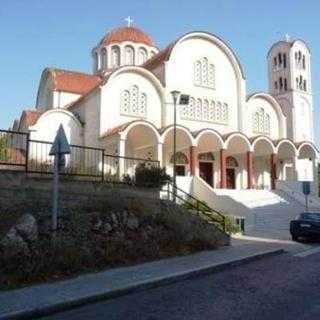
129, 21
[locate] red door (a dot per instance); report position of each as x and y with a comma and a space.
206, 172
231, 178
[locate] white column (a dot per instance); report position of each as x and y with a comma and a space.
122, 153
160, 153
315, 176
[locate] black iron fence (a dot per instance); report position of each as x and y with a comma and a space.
20, 152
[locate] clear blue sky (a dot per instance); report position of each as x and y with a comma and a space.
35, 34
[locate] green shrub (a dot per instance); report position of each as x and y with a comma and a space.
150, 176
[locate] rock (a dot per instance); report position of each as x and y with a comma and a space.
114, 218
133, 222
124, 217
97, 225
12, 238
27, 227
107, 227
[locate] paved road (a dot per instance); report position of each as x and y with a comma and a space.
281, 287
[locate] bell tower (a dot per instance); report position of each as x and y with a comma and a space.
289, 72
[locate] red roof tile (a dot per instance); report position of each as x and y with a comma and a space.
30, 117
159, 58
71, 81
127, 34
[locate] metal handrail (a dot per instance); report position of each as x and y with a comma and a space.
197, 206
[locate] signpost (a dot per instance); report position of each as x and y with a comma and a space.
59, 149
306, 189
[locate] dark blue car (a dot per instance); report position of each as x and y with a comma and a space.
306, 225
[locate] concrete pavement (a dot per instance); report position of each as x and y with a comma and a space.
284, 287
44, 299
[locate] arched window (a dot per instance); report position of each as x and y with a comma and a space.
224, 113
261, 122
218, 112
204, 73
152, 53
205, 110
142, 57
199, 109
104, 61
192, 109
197, 73
231, 162
115, 57
181, 163
129, 55
96, 61
181, 158
212, 111
133, 102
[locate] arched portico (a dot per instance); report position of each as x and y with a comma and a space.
263, 154
237, 146
208, 146
307, 162
286, 156
184, 142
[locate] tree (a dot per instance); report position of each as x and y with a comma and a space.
3, 148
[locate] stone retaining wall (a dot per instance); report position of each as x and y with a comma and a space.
20, 189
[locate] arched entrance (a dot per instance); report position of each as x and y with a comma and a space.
209, 143
286, 162
262, 151
232, 167
237, 147
307, 167
182, 163
184, 141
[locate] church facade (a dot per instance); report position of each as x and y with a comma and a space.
227, 138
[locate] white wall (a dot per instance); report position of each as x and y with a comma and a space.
111, 99
179, 75
48, 124
253, 105
62, 98
45, 95
89, 113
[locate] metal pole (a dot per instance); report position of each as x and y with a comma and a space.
55, 193
307, 203
174, 148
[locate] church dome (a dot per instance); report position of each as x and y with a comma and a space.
127, 34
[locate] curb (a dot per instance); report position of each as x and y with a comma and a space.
136, 287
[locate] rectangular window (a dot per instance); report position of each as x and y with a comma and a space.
285, 84
276, 85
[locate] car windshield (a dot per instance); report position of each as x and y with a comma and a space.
310, 216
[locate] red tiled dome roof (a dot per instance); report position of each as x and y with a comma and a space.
127, 34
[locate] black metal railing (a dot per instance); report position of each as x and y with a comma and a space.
190, 202
18, 150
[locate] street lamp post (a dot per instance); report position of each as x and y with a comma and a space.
175, 95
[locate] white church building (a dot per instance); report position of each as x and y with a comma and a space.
226, 138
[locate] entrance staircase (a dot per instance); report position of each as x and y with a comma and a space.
267, 213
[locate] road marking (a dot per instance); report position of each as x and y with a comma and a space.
306, 253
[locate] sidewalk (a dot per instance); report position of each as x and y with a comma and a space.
40, 300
